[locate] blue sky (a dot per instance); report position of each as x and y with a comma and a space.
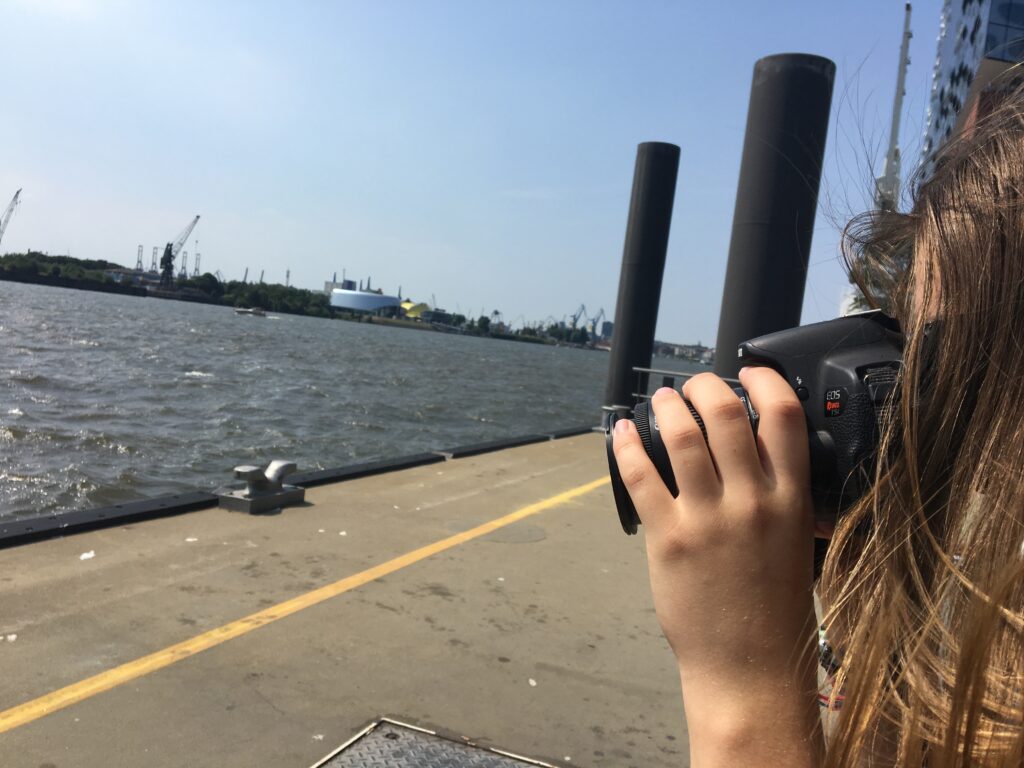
479, 152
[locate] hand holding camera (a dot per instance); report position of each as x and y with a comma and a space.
728, 484
730, 557
843, 373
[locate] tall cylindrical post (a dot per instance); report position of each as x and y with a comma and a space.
643, 263
787, 123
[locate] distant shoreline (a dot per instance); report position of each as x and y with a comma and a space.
55, 281
191, 295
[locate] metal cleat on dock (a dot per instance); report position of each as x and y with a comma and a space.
264, 490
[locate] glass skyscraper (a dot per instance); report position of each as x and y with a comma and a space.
978, 41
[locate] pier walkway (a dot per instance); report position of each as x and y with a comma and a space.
493, 598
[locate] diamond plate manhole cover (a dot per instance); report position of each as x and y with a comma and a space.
389, 744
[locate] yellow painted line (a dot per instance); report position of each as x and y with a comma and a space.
104, 681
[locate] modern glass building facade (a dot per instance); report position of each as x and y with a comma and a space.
1005, 35
978, 41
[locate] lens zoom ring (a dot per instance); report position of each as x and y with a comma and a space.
697, 418
642, 418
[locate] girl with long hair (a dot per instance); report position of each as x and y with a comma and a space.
923, 587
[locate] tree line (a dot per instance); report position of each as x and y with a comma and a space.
65, 271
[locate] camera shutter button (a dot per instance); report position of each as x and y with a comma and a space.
802, 393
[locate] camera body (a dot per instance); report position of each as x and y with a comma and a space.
845, 374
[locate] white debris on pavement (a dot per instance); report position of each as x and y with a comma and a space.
12, 637
87, 555
533, 683
190, 539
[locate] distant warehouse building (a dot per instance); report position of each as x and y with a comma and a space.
978, 41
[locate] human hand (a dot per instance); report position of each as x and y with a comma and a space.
731, 558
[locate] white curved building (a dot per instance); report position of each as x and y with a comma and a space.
362, 301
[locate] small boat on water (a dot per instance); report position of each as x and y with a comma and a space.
256, 311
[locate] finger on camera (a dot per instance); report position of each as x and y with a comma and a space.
687, 450
641, 478
728, 426
782, 427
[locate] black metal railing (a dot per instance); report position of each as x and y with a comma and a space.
647, 380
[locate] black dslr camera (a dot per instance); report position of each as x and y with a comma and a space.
844, 372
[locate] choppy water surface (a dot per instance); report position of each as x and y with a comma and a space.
105, 398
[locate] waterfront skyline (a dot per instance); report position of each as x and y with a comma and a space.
481, 155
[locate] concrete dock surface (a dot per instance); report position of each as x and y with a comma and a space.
217, 638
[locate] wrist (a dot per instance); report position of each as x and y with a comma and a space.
752, 741
753, 722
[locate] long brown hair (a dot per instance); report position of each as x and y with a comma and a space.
923, 586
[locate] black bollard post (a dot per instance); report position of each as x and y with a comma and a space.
643, 263
787, 123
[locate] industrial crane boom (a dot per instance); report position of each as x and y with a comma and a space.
8, 212
887, 186
171, 251
183, 237
582, 311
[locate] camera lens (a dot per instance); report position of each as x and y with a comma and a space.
650, 435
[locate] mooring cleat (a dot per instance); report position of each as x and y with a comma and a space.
265, 489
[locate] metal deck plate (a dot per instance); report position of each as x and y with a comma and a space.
389, 744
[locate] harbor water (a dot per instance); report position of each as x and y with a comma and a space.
107, 398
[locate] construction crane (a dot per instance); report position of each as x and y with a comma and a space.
887, 186
596, 320
582, 311
171, 252
8, 212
